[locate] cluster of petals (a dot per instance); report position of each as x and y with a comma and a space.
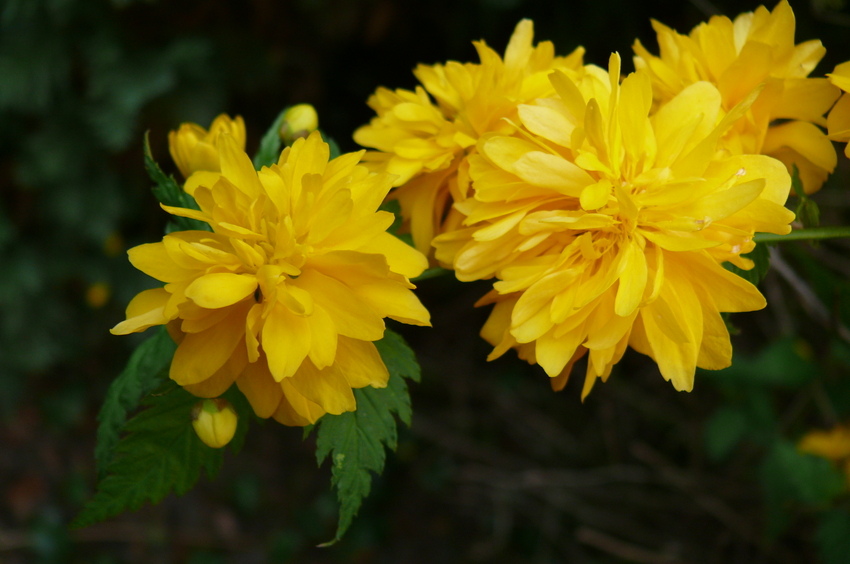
606, 220
425, 136
193, 147
288, 292
754, 52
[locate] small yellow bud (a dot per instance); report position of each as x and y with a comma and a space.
193, 148
298, 121
214, 421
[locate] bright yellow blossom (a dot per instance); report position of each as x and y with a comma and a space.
834, 445
606, 227
838, 121
193, 148
754, 53
288, 292
426, 144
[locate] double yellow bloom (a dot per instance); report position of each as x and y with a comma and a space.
605, 207
288, 292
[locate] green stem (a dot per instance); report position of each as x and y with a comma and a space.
810, 234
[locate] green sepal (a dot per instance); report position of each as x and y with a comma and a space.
160, 453
167, 191
355, 441
146, 370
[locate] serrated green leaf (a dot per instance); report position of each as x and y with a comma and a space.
270, 144
725, 429
355, 440
160, 453
168, 192
760, 255
833, 536
398, 356
146, 370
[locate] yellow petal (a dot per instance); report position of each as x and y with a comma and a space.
219, 290
260, 388
327, 388
352, 317
361, 364
200, 355
145, 310
286, 341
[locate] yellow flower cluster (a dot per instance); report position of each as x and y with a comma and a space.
605, 207
288, 292
425, 137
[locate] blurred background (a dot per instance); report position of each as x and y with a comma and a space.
496, 467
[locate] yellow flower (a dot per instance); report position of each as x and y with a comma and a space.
606, 227
838, 121
193, 148
425, 144
287, 294
755, 52
214, 422
833, 445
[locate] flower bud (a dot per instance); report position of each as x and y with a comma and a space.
193, 148
298, 121
214, 421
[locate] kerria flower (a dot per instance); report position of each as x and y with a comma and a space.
426, 144
838, 121
834, 445
288, 292
193, 148
606, 227
755, 52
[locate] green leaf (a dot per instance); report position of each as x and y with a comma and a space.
270, 144
355, 440
160, 453
725, 429
145, 371
167, 191
833, 536
398, 356
761, 257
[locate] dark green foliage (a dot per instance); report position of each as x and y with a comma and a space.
145, 371
159, 454
833, 536
790, 478
270, 144
355, 441
808, 212
167, 191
